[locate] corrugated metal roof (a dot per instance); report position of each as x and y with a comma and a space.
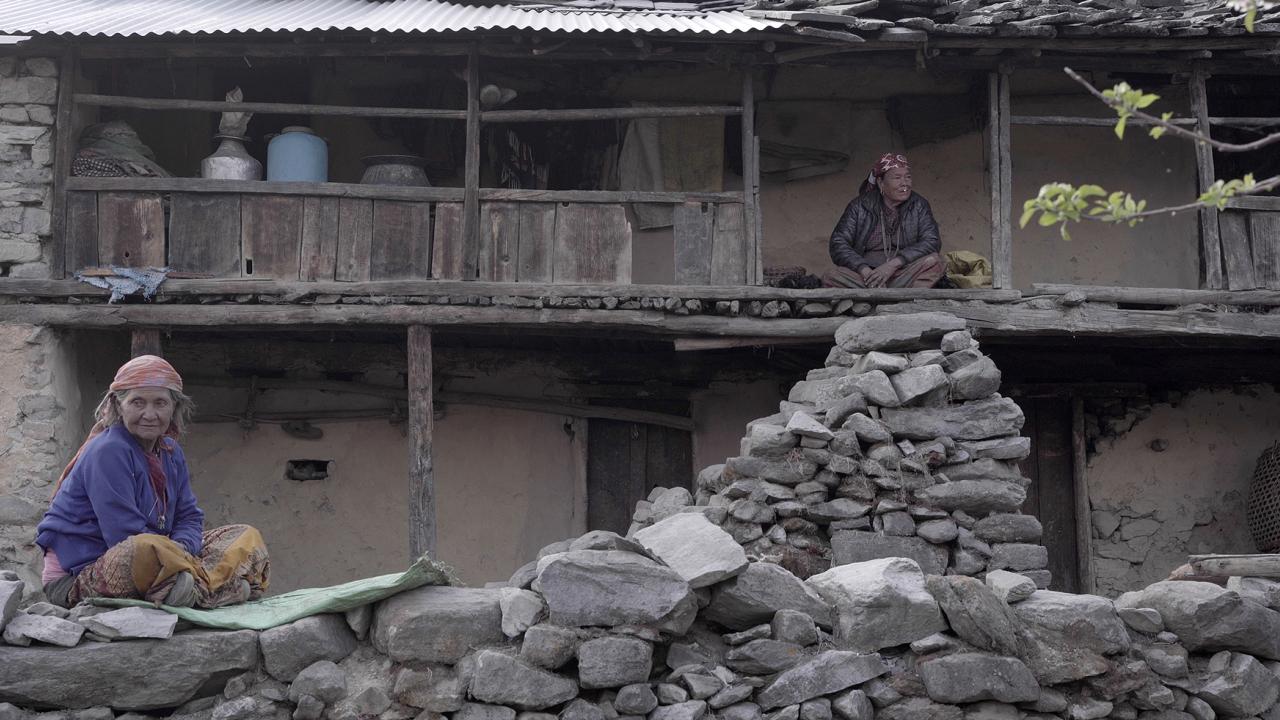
132, 18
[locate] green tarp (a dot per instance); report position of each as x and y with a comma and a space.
283, 609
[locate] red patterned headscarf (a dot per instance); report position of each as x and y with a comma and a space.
140, 372
887, 162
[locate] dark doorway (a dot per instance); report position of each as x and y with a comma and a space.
625, 461
1051, 495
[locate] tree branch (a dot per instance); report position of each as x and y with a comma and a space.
1261, 187
1171, 128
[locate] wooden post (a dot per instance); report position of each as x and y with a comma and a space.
422, 489
993, 161
751, 181
145, 342
63, 142
1210, 242
471, 189
1080, 482
1002, 201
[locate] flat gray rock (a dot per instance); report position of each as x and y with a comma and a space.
521, 610
600, 587
437, 624
786, 471
975, 380
287, 649
853, 546
894, 333
322, 680
975, 420
1009, 448
549, 646
758, 592
1207, 617
1091, 620
132, 623
915, 384
1008, 528
479, 711
876, 388
437, 688
763, 657
879, 603
825, 673
610, 662
10, 595
1018, 557
1009, 586
975, 614
691, 710
47, 629
635, 699
1237, 685
976, 497
972, 677
699, 551
501, 679
136, 675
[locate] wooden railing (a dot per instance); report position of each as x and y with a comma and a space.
343, 231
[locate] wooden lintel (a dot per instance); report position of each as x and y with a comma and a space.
567, 408
422, 489
1098, 321
698, 344
145, 341
18, 287
1263, 566
643, 322
1161, 296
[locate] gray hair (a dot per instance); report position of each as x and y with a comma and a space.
108, 411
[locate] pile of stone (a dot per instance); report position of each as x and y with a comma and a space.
900, 446
677, 624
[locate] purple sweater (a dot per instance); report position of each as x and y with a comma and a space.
108, 497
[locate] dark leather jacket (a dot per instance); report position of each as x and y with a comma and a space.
851, 239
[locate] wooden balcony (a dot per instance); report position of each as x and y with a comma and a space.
355, 233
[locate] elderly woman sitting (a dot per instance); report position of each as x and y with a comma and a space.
887, 236
124, 522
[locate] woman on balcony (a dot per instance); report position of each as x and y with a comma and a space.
887, 236
124, 522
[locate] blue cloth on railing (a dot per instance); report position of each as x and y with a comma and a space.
127, 281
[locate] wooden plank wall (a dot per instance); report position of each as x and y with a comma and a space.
1250, 242
711, 245
295, 237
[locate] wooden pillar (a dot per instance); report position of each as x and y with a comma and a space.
471, 178
145, 342
422, 489
751, 182
1000, 165
1080, 483
1210, 242
63, 148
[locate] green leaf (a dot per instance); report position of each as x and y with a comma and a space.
1048, 218
1250, 15
1146, 100
1090, 191
1120, 126
1028, 212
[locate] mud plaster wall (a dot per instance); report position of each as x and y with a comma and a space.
1153, 508
507, 483
721, 413
799, 215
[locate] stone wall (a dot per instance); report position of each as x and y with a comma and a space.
29, 93
1169, 476
38, 406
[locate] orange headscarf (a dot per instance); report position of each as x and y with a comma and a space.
142, 371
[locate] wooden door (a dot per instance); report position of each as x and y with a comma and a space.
625, 461
1051, 496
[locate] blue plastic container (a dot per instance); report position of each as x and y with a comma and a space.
297, 155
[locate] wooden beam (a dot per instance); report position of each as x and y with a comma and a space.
1210, 242
422, 487
63, 148
698, 344
567, 408
1062, 120
219, 106
1262, 566
1161, 296
471, 174
1092, 320
642, 322
145, 341
1002, 252
1080, 486
299, 290
617, 113
1266, 203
